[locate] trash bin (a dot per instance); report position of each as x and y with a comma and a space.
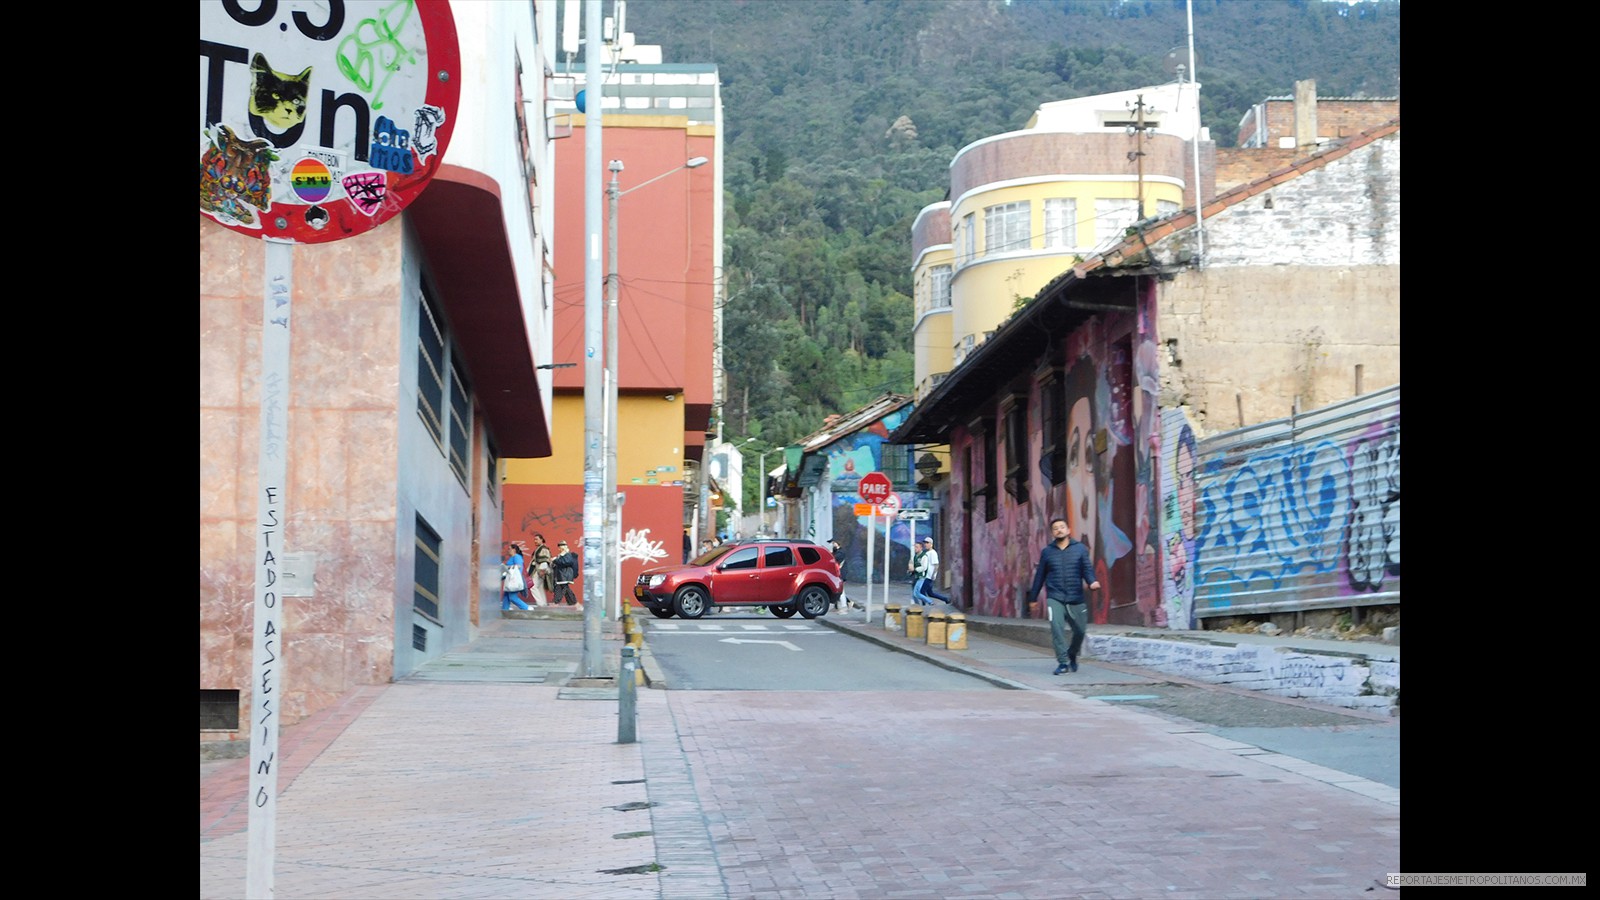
956, 634
915, 625
936, 622
891, 617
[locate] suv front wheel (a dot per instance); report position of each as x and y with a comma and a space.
813, 601
690, 602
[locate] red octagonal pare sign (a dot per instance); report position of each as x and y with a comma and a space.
874, 487
322, 121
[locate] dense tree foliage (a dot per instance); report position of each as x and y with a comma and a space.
824, 177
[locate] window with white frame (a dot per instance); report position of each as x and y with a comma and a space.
492, 464
1060, 222
430, 367
1112, 217
967, 240
425, 570
962, 348
460, 423
1006, 227
940, 295
439, 376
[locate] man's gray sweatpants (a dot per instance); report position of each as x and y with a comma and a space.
1061, 616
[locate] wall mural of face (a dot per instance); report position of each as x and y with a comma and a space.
1183, 460
1080, 471
1082, 461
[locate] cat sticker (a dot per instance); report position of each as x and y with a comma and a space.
279, 99
234, 176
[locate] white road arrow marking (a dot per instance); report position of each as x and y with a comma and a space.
744, 641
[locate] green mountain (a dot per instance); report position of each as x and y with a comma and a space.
821, 191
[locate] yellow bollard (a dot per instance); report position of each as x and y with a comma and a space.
956, 635
915, 626
935, 628
891, 617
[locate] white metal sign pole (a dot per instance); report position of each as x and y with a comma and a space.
872, 521
271, 518
888, 526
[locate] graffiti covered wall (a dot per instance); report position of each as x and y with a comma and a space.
1297, 514
1106, 491
849, 458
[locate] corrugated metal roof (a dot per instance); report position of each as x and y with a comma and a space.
852, 422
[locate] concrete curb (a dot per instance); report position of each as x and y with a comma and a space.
903, 646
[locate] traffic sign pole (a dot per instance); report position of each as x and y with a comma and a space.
887, 527
295, 177
871, 521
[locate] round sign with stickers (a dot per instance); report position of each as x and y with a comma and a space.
322, 121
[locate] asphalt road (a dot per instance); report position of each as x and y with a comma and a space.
748, 652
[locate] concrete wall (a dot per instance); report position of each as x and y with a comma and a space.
345, 363
1258, 338
1301, 286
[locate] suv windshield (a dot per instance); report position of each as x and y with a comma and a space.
710, 556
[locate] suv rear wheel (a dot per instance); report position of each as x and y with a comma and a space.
690, 601
813, 601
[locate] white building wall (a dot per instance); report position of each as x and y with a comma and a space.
493, 37
1346, 213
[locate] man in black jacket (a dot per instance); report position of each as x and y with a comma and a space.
565, 567
1064, 568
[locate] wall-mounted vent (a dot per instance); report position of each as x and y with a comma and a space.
419, 638
219, 710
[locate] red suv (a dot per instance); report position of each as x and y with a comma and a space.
784, 576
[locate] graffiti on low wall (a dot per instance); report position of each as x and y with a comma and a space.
1301, 514
1351, 682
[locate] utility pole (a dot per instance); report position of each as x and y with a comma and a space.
1138, 152
1141, 156
613, 536
593, 453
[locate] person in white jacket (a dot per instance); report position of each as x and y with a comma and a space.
926, 590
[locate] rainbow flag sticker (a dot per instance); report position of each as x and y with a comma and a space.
311, 180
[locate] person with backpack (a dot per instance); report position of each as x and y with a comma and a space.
565, 567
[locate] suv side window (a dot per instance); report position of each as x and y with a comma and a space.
778, 557
743, 558
809, 555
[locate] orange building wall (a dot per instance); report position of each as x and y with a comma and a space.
664, 256
652, 523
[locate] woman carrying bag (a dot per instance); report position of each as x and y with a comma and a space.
512, 582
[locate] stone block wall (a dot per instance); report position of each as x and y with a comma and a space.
1349, 681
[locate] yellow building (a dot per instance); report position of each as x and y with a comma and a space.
1027, 204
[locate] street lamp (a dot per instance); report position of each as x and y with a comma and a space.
612, 527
